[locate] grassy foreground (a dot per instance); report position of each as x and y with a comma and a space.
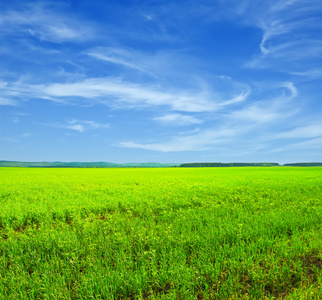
177, 233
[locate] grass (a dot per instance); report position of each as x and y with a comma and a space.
177, 233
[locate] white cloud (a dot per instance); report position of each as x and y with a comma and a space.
178, 120
236, 99
80, 125
4, 91
271, 30
63, 32
311, 73
92, 124
255, 113
45, 22
118, 93
288, 32
161, 65
268, 110
77, 127
291, 87
112, 90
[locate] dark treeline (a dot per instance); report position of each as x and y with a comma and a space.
312, 164
218, 164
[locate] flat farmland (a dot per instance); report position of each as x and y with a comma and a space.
161, 233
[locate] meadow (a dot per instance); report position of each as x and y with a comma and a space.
161, 233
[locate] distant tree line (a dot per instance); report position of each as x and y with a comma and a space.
312, 164
218, 164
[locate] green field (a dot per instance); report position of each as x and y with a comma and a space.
169, 233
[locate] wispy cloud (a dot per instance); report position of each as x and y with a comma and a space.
268, 110
6, 100
155, 65
118, 56
109, 89
287, 41
178, 120
79, 125
311, 73
45, 22
255, 113
120, 93
290, 86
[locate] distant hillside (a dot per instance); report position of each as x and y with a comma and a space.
58, 164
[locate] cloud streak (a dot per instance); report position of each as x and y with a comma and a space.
117, 56
115, 91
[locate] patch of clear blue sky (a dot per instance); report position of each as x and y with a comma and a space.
165, 81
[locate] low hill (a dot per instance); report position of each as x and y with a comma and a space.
58, 164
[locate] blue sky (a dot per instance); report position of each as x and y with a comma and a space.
161, 81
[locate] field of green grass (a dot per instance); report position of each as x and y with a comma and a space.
169, 233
